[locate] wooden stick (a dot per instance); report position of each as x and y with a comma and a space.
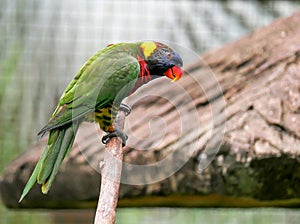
111, 169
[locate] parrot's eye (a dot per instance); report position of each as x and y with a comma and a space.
167, 53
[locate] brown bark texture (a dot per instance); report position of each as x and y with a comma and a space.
111, 169
245, 153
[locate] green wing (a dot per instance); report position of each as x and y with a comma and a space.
105, 77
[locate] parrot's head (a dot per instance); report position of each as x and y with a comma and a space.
161, 60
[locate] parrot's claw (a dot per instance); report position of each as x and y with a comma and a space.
124, 107
116, 133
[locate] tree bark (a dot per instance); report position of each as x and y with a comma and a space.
111, 170
246, 151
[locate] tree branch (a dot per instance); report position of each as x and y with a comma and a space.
111, 169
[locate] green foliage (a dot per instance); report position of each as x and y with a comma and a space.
8, 69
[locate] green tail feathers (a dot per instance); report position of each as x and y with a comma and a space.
59, 144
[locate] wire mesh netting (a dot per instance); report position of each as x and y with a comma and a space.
44, 43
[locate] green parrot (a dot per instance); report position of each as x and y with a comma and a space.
96, 93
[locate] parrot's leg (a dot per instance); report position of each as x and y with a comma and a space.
115, 133
124, 107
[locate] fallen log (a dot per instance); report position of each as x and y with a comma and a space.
245, 153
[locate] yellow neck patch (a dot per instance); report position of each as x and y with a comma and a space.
148, 48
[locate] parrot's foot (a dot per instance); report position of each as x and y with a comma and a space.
124, 107
115, 133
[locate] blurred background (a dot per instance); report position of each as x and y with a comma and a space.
44, 43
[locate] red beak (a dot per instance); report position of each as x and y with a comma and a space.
174, 73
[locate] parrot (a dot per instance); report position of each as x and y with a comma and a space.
95, 95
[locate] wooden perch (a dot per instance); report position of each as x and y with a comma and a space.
111, 170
